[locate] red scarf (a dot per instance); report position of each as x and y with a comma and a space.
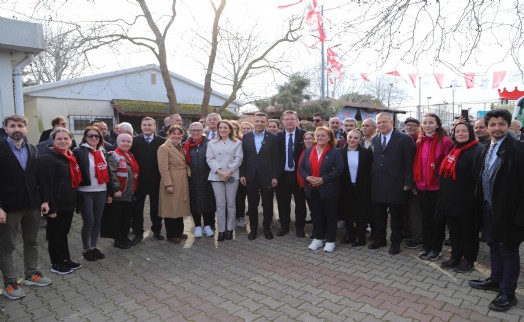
447, 168
190, 145
314, 162
432, 177
101, 172
132, 161
74, 169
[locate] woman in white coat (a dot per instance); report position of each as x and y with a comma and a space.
224, 156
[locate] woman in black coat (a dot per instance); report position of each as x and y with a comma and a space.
201, 196
61, 178
355, 204
458, 175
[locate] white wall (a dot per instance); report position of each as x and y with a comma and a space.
7, 103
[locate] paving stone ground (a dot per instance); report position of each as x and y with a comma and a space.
260, 280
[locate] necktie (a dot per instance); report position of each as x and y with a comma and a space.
148, 140
212, 135
488, 156
383, 143
290, 152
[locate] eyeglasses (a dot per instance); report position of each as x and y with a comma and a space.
93, 136
62, 124
317, 120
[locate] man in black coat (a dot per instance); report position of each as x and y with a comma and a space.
21, 201
59, 121
291, 142
259, 173
144, 149
391, 180
501, 192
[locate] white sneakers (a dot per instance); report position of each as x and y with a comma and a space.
330, 247
198, 232
208, 231
316, 244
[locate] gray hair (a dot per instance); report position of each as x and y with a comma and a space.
350, 119
123, 135
126, 127
214, 114
372, 121
196, 124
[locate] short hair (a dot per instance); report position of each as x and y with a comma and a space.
16, 118
334, 117
57, 120
372, 121
499, 112
321, 115
356, 131
148, 118
261, 114
126, 127
290, 112
231, 135
61, 129
518, 123
274, 121
411, 120
332, 139
197, 124
123, 135
97, 130
175, 127
214, 114
386, 114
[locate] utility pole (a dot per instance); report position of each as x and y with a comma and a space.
323, 81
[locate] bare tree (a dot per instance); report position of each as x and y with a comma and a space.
386, 91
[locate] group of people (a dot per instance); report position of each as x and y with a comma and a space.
422, 177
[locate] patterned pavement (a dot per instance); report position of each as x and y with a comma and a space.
261, 280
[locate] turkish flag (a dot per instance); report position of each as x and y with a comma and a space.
470, 79
413, 78
393, 73
498, 77
365, 77
439, 78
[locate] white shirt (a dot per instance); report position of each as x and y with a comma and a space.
353, 165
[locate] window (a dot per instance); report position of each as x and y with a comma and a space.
78, 123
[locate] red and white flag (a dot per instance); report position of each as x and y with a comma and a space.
439, 77
470, 79
413, 78
498, 77
334, 59
365, 77
393, 73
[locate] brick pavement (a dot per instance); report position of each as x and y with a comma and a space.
261, 280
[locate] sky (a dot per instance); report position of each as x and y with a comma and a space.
194, 19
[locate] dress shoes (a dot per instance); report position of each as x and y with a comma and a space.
377, 244
159, 236
268, 234
503, 302
282, 232
121, 244
174, 240
394, 249
252, 235
347, 239
358, 243
450, 263
221, 236
486, 285
229, 234
182, 236
137, 240
300, 233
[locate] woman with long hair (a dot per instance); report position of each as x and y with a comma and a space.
94, 191
432, 146
224, 156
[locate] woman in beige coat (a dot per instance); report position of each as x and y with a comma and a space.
174, 187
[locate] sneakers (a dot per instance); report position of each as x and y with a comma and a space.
198, 232
241, 222
208, 231
434, 255
341, 224
72, 265
89, 255
423, 254
98, 254
37, 279
13, 291
329, 247
61, 269
464, 266
411, 244
316, 244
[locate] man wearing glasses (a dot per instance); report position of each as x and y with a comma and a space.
319, 119
59, 121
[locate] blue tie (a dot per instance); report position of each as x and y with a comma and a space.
290, 152
148, 140
383, 143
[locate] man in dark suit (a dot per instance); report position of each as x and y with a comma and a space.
291, 142
259, 173
501, 192
391, 179
59, 121
21, 201
144, 149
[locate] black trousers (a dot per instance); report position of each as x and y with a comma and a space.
380, 221
209, 219
138, 213
287, 188
256, 189
433, 223
241, 201
464, 238
57, 230
324, 213
174, 227
121, 213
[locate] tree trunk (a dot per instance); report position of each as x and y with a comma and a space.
170, 89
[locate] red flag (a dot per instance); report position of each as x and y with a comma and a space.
289, 5
365, 77
439, 78
498, 77
393, 73
413, 77
470, 79
334, 59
